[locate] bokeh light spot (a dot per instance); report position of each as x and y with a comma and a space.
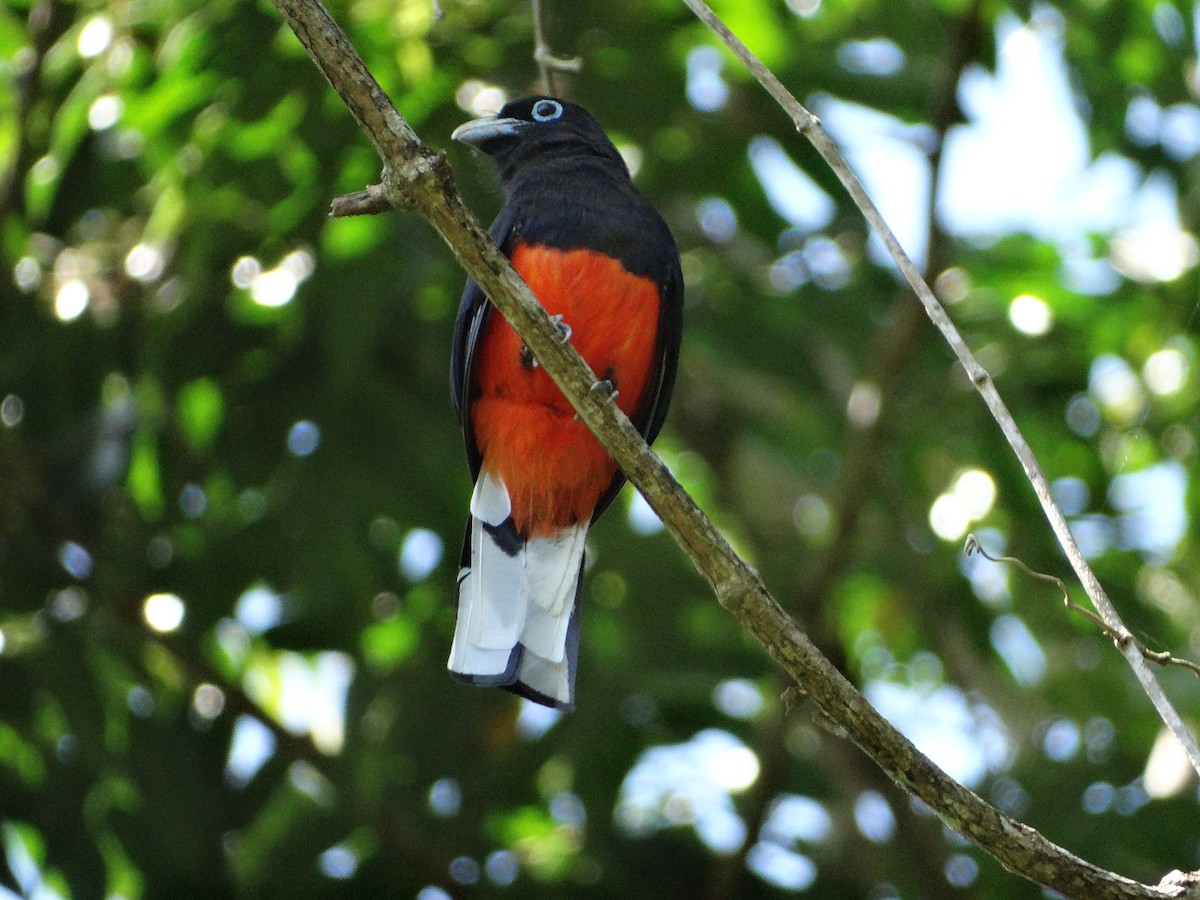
781, 867
1019, 649
1098, 797
208, 701
27, 274
642, 518
259, 609
738, 698
244, 271
479, 98
163, 612
961, 870
717, 219
12, 411
275, 287
948, 518
105, 111
95, 36
706, 89
445, 798
1030, 315
502, 867
464, 870
252, 745
1165, 371
144, 262
338, 862
75, 559
303, 438
874, 817
863, 405
734, 768
420, 552
71, 299
1061, 741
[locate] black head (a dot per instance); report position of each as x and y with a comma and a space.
534, 128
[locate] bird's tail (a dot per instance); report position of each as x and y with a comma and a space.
518, 603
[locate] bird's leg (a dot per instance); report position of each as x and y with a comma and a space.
564, 332
528, 360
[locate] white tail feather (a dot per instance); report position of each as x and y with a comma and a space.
493, 592
553, 679
490, 501
549, 582
520, 603
491, 613
466, 657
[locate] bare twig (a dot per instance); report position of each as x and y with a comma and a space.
548, 64
1161, 657
418, 180
808, 125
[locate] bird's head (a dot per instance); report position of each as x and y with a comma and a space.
532, 128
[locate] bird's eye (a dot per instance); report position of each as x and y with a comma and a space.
546, 110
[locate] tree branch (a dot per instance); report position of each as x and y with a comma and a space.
808, 125
547, 62
417, 180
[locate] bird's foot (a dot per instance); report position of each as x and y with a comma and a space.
564, 329
607, 387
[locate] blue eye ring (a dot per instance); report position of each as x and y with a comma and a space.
546, 110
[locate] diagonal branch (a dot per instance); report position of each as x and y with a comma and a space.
418, 180
808, 125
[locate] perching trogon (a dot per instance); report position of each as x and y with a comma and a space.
598, 255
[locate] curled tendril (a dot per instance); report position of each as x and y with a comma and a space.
1120, 638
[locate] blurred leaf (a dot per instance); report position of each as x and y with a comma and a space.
200, 409
145, 481
387, 644
20, 756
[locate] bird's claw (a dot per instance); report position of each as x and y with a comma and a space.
563, 328
606, 386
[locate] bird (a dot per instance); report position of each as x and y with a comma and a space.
604, 264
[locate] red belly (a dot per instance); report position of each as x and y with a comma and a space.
526, 431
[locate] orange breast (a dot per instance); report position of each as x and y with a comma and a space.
526, 431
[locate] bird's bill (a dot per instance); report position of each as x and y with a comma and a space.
478, 131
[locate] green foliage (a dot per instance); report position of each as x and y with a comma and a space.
218, 403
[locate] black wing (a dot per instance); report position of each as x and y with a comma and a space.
649, 418
473, 311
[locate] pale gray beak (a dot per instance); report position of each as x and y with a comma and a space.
479, 131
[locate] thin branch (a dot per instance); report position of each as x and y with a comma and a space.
548, 64
893, 347
1160, 657
808, 125
418, 180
